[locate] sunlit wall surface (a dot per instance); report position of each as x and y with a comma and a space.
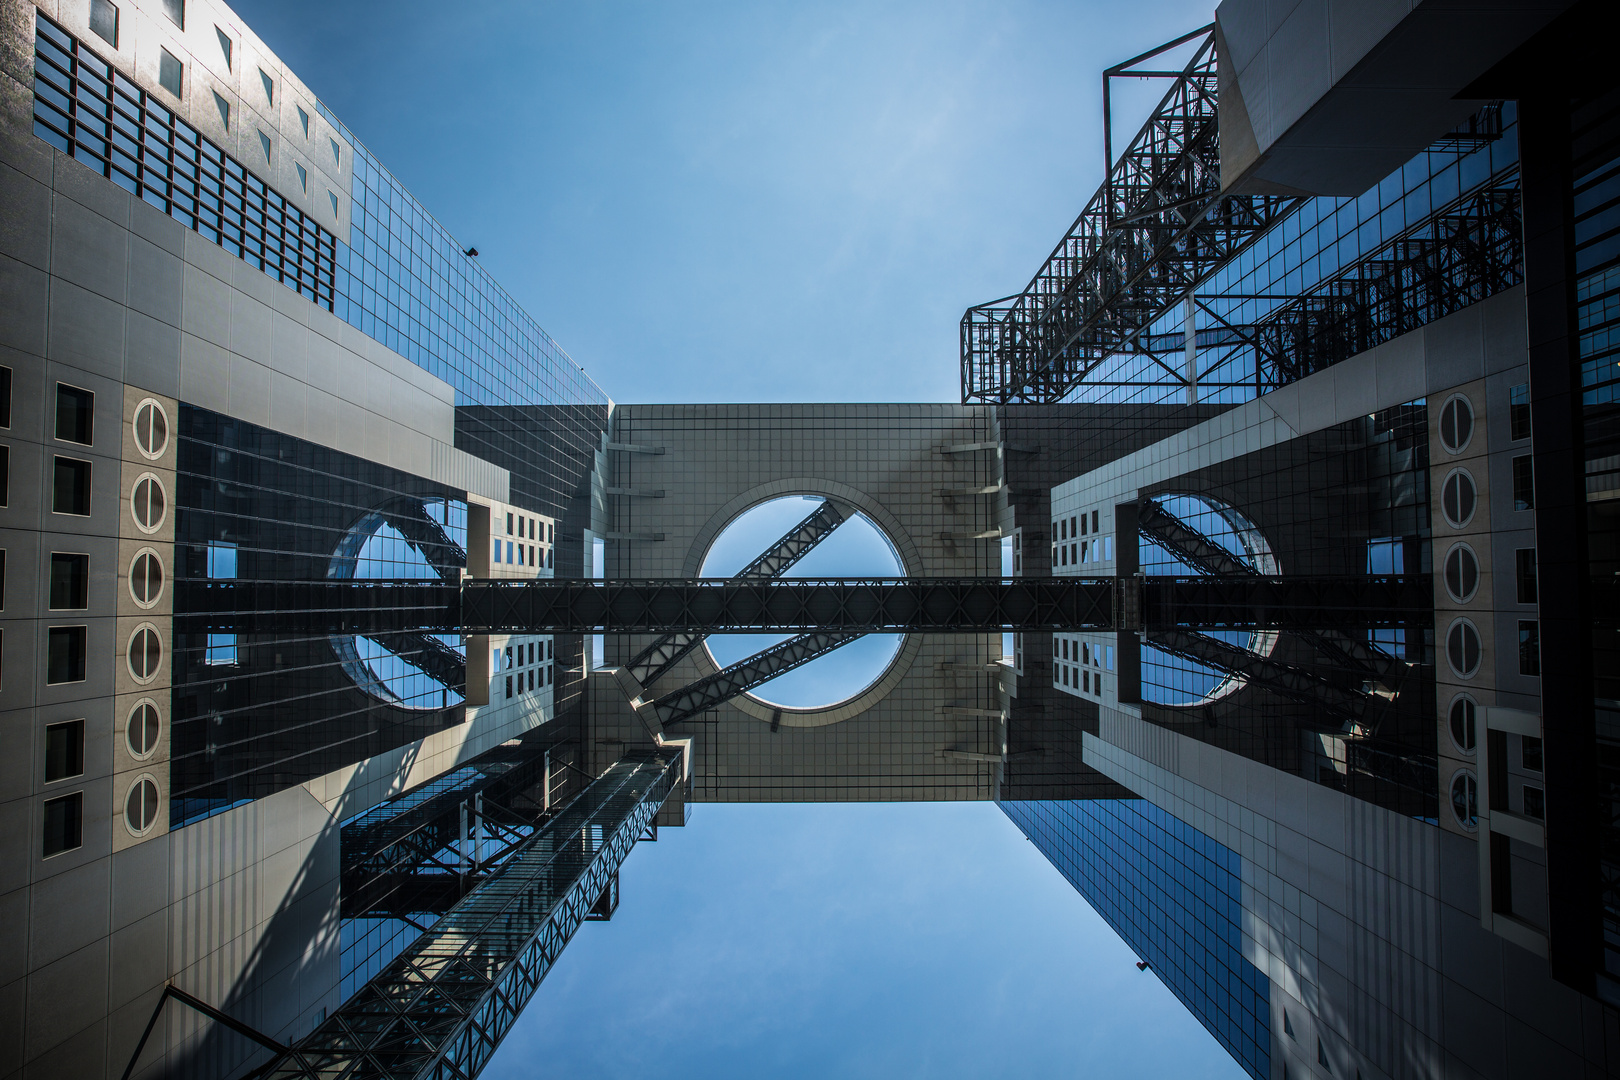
1175, 896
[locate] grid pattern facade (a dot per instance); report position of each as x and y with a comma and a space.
1175, 896
254, 714
86, 109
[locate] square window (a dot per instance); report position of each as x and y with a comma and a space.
65, 651
221, 650
1525, 564
1529, 647
64, 823
70, 487
104, 21
64, 750
221, 559
70, 581
1524, 483
176, 11
170, 72
1535, 803
75, 414
1519, 411
1530, 753
5, 397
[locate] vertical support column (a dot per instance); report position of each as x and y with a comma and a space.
461, 845
1190, 370
1127, 640
1557, 434
545, 787
478, 831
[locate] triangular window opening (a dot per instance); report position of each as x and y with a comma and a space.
1288, 1026
337, 158
303, 176
224, 110
303, 118
269, 86
224, 46
1321, 1057
333, 196
264, 141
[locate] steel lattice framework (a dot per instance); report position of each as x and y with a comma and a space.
1156, 228
1466, 252
744, 675
442, 1006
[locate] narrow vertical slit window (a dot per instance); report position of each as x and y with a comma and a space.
303, 118
303, 176
171, 73
1529, 647
75, 414
269, 86
1524, 483
5, 397
70, 487
104, 21
1525, 572
64, 750
337, 155
224, 110
221, 648
264, 141
224, 46
1519, 411
64, 824
70, 581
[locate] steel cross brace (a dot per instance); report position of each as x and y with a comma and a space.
442, 1006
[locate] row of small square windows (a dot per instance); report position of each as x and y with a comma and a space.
521, 554
1076, 552
1081, 653
539, 652
171, 76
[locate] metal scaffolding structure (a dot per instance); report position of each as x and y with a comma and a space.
1464, 253
1155, 229
441, 1007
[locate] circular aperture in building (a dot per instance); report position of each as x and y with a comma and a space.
1189, 536
856, 548
410, 539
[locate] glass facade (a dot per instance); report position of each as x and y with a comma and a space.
253, 713
1174, 896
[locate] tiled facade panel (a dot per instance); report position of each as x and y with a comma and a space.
888, 462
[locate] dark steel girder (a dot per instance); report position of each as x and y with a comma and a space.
743, 676
1284, 680
442, 1006
1155, 229
651, 663
808, 605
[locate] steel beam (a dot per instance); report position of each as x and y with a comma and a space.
652, 662
443, 1005
743, 676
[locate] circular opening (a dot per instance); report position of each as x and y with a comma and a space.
145, 653
149, 503
417, 539
142, 728
1463, 648
141, 806
856, 548
1462, 722
1456, 424
151, 429
1465, 799
1462, 573
1457, 498
146, 578
1195, 535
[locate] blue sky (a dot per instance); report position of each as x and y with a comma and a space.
779, 202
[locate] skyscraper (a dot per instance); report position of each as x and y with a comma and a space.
353, 635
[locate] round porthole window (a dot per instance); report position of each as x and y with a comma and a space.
149, 503
1458, 497
1465, 799
1463, 648
141, 805
145, 653
1456, 424
142, 729
1461, 722
1461, 573
146, 578
151, 429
